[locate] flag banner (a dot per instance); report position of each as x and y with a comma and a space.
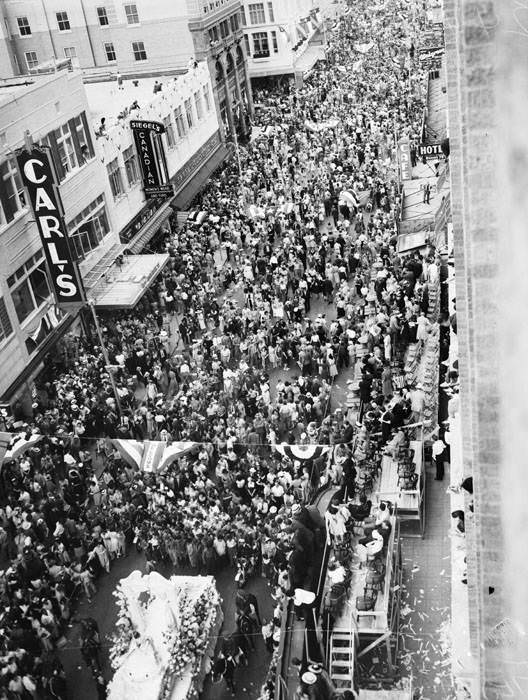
18, 444
302, 453
152, 456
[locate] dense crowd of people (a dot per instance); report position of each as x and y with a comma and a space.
227, 352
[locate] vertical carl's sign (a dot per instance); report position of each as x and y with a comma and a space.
151, 154
38, 178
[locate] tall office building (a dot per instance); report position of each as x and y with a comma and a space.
487, 85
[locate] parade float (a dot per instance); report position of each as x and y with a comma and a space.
165, 636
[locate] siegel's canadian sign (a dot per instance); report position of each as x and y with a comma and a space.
151, 154
37, 175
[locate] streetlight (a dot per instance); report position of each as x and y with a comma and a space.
91, 304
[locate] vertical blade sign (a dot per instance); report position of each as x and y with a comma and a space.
151, 154
37, 175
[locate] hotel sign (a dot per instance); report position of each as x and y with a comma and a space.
38, 178
430, 150
151, 154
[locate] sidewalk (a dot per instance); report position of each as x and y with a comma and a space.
425, 612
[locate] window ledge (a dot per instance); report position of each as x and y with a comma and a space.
5, 341
33, 315
75, 171
20, 213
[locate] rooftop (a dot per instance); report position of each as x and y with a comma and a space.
110, 100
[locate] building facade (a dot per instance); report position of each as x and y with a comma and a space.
487, 75
54, 112
105, 38
192, 146
216, 28
100, 185
99, 36
279, 36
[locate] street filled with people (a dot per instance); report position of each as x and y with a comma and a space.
286, 284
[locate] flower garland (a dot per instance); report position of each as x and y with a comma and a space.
189, 641
122, 638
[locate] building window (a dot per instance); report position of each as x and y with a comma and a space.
131, 166
207, 97
63, 21
256, 13
114, 175
234, 23
66, 148
274, 41
180, 122
243, 16
189, 113
70, 52
248, 46
29, 287
138, 47
23, 26
83, 140
5, 324
169, 131
89, 228
31, 59
260, 45
198, 105
110, 52
271, 14
12, 196
224, 29
102, 16
131, 13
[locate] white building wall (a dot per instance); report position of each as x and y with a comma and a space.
119, 137
162, 27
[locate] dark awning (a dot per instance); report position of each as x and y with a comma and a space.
139, 241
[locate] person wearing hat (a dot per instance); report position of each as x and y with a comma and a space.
323, 686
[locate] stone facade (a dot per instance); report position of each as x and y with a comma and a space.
479, 36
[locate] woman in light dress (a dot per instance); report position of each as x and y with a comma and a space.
423, 328
336, 518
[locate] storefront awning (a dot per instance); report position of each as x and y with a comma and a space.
123, 286
411, 241
188, 191
137, 244
309, 58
